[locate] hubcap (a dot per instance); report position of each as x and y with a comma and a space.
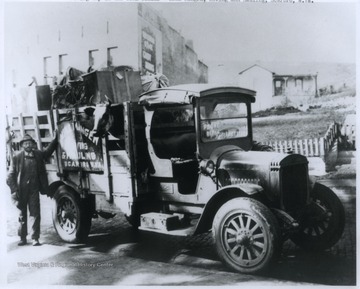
245, 239
320, 222
67, 215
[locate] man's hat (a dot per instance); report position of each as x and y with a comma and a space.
27, 137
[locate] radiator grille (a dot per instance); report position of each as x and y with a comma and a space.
294, 186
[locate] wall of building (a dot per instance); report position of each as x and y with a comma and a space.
67, 41
292, 85
294, 90
131, 34
260, 80
180, 63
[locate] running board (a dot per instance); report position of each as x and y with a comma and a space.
165, 224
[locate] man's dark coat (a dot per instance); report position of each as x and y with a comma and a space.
17, 166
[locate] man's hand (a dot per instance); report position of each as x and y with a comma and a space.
15, 199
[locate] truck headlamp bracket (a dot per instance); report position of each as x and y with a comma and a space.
207, 167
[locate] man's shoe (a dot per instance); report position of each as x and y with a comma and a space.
35, 242
22, 242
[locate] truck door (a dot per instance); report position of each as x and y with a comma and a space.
172, 145
136, 148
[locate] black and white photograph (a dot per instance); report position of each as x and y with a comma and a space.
179, 143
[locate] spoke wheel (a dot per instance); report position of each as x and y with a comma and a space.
71, 217
324, 223
246, 235
67, 214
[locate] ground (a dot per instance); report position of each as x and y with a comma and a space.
141, 258
312, 123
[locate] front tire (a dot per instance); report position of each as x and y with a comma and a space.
324, 225
71, 216
246, 235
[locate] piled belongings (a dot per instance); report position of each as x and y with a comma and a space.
119, 84
153, 81
71, 90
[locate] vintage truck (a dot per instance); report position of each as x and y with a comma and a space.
182, 161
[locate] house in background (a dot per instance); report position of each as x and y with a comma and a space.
259, 79
278, 89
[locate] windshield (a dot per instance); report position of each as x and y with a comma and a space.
223, 119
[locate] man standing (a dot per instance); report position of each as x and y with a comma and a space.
26, 178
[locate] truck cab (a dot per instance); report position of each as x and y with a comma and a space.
184, 126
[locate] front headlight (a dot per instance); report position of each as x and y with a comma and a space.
207, 167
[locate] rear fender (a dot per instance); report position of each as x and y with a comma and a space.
55, 185
88, 202
53, 188
221, 197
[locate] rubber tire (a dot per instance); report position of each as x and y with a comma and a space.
82, 224
260, 215
336, 222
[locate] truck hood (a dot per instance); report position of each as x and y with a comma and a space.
236, 159
252, 166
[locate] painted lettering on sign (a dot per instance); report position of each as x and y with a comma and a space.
78, 149
148, 55
86, 132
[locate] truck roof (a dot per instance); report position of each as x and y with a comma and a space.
183, 94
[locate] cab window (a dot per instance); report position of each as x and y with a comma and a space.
223, 119
172, 132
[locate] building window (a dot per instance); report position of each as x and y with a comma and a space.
279, 86
110, 55
299, 83
62, 64
92, 57
46, 68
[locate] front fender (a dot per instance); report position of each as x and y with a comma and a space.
219, 198
248, 188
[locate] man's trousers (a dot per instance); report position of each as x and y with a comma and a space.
30, 200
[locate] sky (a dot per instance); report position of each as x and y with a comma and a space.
223, 32
322, 32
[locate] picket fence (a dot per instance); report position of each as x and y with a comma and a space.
315, 147
348, 129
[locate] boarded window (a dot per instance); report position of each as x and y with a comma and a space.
62, 64
111, 51
93, 57
46, 68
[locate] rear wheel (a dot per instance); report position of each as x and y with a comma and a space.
324, 224
71, 215
246, 235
